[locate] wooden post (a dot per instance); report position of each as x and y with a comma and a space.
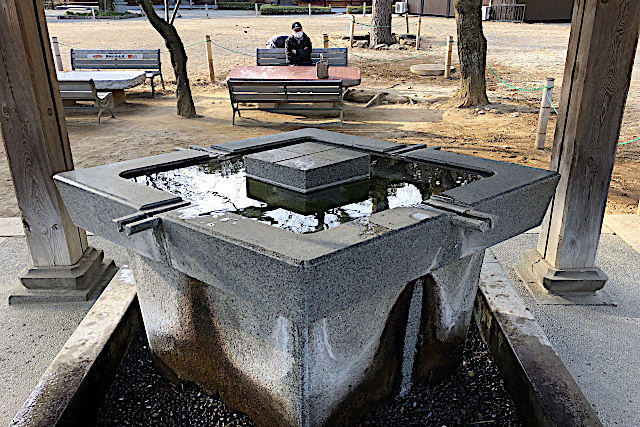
212, 74
325, 40
257, 11
190, 4
545, 110
309, 9
406, 19
36, 142
447, 59
206, 10
602, 47
418, 32
56, 50
364, 9
352, 24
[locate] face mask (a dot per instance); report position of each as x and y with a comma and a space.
298, 34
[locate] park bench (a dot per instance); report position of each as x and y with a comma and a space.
147, 60
286, 95
337, 56
72, 91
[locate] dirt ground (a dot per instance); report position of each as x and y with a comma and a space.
523, 54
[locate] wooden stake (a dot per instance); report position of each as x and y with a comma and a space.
257, 11
447, 60
309, 9
206, 10
406, 18
212, 74
418, 33
352, 25
364, 8
56, 51
545, 110
325, 40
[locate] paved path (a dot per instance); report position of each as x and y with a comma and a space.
599, 345
32, 334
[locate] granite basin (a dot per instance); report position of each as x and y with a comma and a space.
307, 310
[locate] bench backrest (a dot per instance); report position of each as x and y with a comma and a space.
78, 90
123, 59
296, 91
337, 56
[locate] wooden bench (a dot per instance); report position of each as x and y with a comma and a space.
337, 56
73, 91
147, 60
287, 95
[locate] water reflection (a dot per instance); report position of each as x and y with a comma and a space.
218, 187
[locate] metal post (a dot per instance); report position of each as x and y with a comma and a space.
325, 40
447, 61
257, 11
309, 9
364, 8
545, 110
56, 51
351, 29
212, 74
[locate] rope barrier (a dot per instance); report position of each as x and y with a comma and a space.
514, 87
390, 60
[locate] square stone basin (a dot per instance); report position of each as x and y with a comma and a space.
307, 308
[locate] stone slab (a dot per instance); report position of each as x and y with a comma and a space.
429, 69
307, 167
11, 227
538, 382
625, 226
74, 384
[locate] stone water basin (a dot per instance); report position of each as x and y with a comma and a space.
309, 276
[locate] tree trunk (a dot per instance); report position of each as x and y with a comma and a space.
106, 5
173, 42
381, 23
472, 49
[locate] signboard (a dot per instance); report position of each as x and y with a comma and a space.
114, 56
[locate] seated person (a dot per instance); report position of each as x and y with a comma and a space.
298, 47
277, 42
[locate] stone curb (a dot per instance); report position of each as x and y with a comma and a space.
540, 386
76, 381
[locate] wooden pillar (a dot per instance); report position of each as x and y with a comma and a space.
212, 74
37, 145
602, 47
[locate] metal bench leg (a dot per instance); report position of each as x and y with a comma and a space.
233, 119
162, 80
153, 88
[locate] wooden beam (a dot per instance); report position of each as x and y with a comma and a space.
36, 139
602, 47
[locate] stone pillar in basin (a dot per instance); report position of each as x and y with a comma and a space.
447, 304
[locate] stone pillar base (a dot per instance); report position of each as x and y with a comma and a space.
588, 279
81, 281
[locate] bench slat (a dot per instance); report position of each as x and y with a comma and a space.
337, 56
89, 96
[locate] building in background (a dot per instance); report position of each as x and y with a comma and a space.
502, 10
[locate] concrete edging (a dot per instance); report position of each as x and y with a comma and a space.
76, 381
541, 388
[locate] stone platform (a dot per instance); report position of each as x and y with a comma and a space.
308, 166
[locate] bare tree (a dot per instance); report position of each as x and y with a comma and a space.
472, 49
105, 4
381, 23
173, 42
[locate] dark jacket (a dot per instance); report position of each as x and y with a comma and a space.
302, 48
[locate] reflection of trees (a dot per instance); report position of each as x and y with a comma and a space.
223, 167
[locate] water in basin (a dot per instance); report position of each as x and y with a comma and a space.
221, 186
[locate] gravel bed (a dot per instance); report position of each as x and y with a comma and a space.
475, 395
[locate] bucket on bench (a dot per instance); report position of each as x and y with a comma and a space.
322, 68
